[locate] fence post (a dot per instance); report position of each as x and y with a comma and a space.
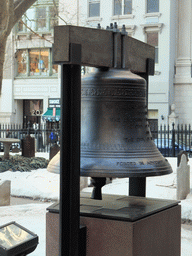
173, 140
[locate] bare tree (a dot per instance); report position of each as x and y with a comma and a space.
10, 12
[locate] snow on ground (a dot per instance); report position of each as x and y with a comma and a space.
36, 184
42, 184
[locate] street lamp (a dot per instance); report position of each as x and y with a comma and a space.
16, 240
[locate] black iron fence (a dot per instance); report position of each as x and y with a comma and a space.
170, 140
44, 136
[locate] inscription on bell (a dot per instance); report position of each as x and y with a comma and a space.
105, 91
113, 146
155, 162
126, 164
132, 164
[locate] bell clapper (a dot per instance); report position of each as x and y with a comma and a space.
98, 183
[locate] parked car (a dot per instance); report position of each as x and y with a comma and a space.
165, 147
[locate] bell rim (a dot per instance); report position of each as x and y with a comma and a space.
126, 174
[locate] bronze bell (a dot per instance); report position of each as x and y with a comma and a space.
115, 135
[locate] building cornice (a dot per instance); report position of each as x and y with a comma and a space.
152, 27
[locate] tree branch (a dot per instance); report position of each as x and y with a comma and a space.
57, 13
6, 18
10, 16
20, 7
35, 32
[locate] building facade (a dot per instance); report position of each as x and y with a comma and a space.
183, 70
31, 79
151, 21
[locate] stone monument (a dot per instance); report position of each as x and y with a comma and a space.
5, 190
183, 177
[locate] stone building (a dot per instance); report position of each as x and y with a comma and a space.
31, 82
151, 21
30, 78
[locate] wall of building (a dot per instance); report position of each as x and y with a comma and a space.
18, 111
6, 97
183, 80
19, 87
6, 103
37, 89
161, 93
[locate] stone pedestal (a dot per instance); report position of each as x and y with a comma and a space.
7, 144
6, 150
5, 191
121, 225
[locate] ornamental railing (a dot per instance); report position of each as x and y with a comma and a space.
44, 135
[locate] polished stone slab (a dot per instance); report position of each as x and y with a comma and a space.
125, 208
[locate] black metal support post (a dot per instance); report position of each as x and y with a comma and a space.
70, 157
137, 186
173, 140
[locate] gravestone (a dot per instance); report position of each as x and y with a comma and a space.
183, 177
5, 191
180, 155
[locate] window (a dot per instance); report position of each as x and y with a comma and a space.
53, 17
39, 18
38, 61
35, 62
122, 7
94, 8
152, 39
152, 6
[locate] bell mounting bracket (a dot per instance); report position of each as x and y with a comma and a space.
75, 47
